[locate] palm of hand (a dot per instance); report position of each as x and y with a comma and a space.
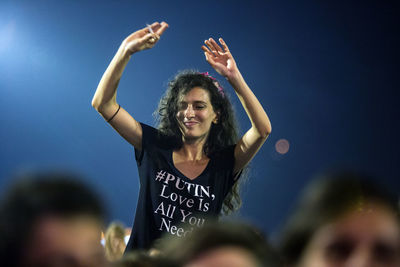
145, 38
137, 41
220, 59
224, 63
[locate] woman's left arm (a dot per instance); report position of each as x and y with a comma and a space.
222, 61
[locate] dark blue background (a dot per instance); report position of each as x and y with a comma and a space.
325, 71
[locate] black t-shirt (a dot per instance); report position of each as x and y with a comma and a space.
168, 201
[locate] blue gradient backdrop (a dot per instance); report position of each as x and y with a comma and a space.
325, 71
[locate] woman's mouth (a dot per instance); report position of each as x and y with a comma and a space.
189, 124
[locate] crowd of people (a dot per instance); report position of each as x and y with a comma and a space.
50, 219
190, 168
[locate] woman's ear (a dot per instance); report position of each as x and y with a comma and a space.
215, 120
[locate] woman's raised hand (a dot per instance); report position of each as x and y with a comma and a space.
144, 38
219, 58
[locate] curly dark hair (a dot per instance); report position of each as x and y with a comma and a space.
222, 134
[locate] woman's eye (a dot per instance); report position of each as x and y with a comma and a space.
199, 107
339, 251
182, 106
386, 253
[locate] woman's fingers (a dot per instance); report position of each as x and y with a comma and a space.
145, 38
156, 28
211, 48
226, 49
208, 54
218, 56
215, 45
161, 29
150, 28
206, 49
153, 33
215, 48
151, 39
209, 59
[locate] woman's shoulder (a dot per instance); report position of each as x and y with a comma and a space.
158, 138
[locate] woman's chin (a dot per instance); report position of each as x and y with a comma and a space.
190, 136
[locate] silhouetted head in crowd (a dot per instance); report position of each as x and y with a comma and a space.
343, 219
115, 241
50, 219
220, 245
143, 259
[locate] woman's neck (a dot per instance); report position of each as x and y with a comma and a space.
192, 151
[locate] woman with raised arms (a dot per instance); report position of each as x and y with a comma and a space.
189, 166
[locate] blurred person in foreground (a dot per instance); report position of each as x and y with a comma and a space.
343, 219
220, 244
115, 241
50, 220
141, 258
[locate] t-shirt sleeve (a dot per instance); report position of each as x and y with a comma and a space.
149, 136
230, 154
225, 161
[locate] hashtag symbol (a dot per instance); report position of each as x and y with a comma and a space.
160, 175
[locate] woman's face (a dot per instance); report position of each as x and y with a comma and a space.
117, 243
60, 241
195, 114
368, 236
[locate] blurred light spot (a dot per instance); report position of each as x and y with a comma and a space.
6, 35
282, 146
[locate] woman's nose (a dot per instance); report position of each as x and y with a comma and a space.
189, 112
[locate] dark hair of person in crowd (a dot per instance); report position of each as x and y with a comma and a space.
240, 238
140, 258
36, 196
327, 199
114, 241
222, 134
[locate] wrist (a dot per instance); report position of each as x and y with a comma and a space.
124, 52
235, 78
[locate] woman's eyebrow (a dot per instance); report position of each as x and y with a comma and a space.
194, 102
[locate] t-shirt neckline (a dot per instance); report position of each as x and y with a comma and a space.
184, 176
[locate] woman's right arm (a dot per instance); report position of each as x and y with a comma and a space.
104, 99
